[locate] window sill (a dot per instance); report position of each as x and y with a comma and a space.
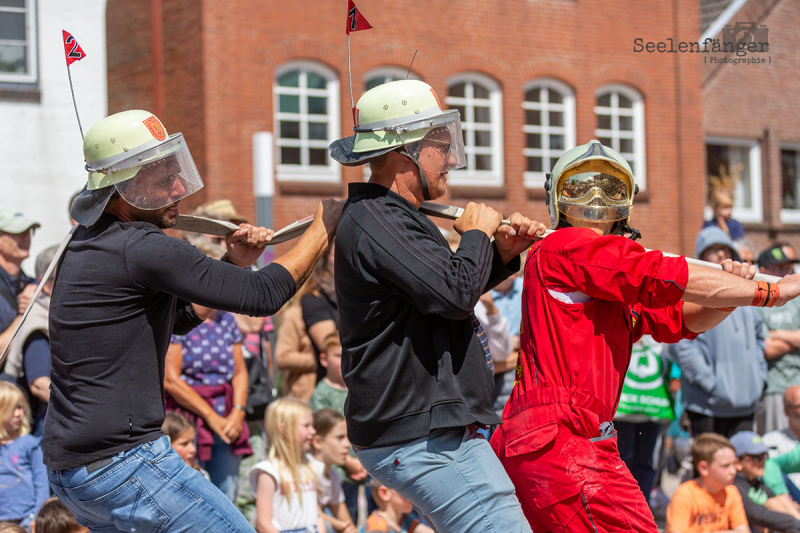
27, 95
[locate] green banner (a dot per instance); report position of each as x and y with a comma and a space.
644, 391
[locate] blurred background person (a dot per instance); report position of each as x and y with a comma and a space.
746, 250
23, 476
28, 362
784, 441
55, 517
782, 348
723, 369
318, 301
294, 355
720, 198
206, 379
16, 287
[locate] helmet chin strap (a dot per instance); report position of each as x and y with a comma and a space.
423, 181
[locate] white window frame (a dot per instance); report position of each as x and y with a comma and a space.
305, 172
790, 216
536, 180
754, 213
32, 38
480, 178
638, 134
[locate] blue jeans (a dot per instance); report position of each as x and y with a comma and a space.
455, 480
223, 468
146, 489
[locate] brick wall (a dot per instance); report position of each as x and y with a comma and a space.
760, 102
221, 57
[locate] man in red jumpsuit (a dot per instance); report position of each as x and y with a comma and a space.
589, 294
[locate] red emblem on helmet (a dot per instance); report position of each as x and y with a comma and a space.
155, 128
437, 99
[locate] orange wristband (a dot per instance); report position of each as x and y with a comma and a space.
766, 294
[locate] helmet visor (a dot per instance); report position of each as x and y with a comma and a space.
163, 175
437, 144
581, 189
595, 211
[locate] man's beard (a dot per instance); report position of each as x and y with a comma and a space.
158, 217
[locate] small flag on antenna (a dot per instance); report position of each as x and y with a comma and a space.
72, 50
355, 20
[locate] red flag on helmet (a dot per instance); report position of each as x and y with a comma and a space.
72, 50
355, 20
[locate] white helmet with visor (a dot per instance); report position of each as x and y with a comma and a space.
404, 115
131, 154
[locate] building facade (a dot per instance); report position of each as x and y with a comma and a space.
41, 153
260, 89
750, 118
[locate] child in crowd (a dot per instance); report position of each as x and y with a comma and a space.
10, 527
331, 392
392, 514
709, 503
54, 517
285, 484
330, 447
180, 431
761, 506
23, 476
720, 198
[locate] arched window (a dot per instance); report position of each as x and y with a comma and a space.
620, 125
549, 128
480, 101
306, 121
382, 75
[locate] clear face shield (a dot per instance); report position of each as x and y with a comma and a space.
595, 197
163, 175
437, 143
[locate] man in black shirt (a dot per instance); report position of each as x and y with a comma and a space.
762, 507
122, 288
414, 357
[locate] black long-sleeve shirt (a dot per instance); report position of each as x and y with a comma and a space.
757, 514
410, 356
121, 290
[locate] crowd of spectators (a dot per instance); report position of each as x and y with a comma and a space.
294, 467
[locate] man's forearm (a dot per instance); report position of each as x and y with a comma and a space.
713, 288
698, 319
300, 260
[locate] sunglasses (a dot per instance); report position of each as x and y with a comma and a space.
761, 457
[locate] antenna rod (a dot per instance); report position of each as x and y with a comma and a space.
74, 102
350, 78
412, 62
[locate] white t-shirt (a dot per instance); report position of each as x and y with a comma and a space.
330, 488
782, 441
295, 515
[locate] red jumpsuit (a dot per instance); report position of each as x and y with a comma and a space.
587, 298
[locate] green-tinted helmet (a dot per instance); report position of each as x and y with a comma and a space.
590, 182
130, 153
404, 114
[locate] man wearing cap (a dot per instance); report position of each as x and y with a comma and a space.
122, 288
761, 506
589, 293
723, 371
418, 376
15, 241
782, 349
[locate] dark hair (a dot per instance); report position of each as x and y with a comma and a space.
325, 419
54, 517
175, 424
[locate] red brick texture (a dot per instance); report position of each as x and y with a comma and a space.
221, 57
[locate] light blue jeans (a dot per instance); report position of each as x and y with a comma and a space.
455, 480
146, 489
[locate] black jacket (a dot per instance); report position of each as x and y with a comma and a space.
410, 358
757, 514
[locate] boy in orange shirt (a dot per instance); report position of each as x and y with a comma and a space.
709, 503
